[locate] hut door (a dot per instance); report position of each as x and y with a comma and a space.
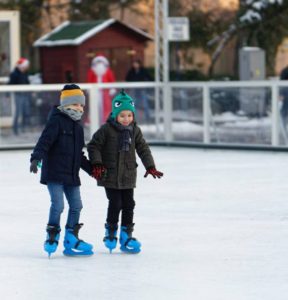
121, 62
68, 74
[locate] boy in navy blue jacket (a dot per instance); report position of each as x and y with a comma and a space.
59, 148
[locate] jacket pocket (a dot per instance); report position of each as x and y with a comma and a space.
130, 172
131, 165
110, 174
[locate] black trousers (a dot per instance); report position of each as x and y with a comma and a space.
120, 200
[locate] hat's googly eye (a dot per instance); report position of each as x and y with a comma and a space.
132, 103
117, 104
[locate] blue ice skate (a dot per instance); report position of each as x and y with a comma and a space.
73, 245
110, 239
51, 243
127, 242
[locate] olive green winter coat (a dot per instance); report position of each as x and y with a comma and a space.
121, 166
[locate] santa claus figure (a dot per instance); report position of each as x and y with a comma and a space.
100, 72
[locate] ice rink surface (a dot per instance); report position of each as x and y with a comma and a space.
214, 228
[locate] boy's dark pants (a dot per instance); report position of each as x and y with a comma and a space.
120, 200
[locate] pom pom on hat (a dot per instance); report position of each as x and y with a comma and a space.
122, 101
72, 94
22, 62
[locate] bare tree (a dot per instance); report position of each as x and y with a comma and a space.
255, 25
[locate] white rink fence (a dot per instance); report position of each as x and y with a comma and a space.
224, 114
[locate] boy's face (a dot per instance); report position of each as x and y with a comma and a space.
76, 106
125, 117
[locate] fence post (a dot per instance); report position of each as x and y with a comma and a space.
157, 111
275, 116
94, 99
206, 115
167, 109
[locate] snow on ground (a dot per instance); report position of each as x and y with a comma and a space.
214, 228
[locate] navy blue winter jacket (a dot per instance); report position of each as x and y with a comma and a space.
18, 77
60, 149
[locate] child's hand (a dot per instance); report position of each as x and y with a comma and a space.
153, 172
34, 166
99, 171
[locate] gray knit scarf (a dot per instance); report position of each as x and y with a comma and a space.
75, 115
125, 136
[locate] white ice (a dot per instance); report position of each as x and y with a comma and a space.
214, 228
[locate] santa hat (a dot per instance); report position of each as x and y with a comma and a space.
100, 58
22, 62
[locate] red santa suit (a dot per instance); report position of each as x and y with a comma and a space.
100, 72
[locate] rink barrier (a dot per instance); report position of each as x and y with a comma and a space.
179, 145
218, 147
94, 91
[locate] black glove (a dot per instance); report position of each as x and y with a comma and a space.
34, 166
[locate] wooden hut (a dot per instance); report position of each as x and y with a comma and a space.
67, 51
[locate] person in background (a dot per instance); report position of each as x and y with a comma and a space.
101, 72
139, 73
112, 152
22, 99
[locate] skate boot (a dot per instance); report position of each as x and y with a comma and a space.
127, 242
110, 239
73, 245
51, 243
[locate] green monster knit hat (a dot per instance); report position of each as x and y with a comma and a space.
122, 101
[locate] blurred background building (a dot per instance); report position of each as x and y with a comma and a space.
62, 37
210, 22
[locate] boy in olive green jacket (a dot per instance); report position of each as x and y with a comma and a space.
112, 154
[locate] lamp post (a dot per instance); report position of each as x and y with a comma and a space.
162, 68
